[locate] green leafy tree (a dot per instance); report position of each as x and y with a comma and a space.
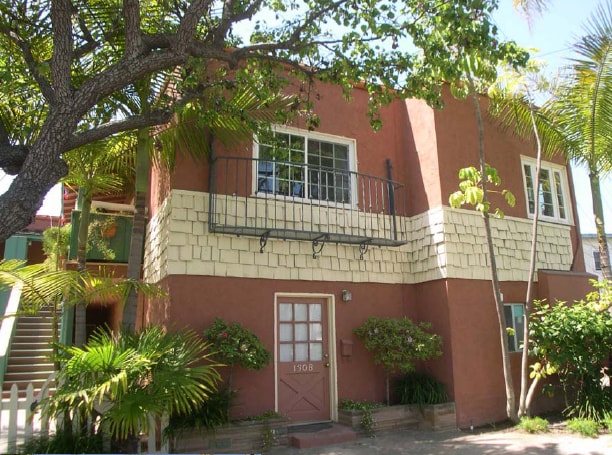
129, 376
398, 344
66, 65
511, 101
575, 341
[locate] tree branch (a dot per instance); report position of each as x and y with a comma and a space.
43, 84
12, 158
189, 24
61, 61
133, 42
135, 122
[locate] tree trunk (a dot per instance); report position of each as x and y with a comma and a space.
80, 319
600, 228
525, 398
139, 222
138, 227
499, 305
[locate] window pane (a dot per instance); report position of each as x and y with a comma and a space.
560, 199
546, 196
301, 312
301, 332
315, 311
331, 182
301, 352
597, 260
529, 185
286, 353
508, 315
518, 312
285, 312
316, 331
286, 332
316, 352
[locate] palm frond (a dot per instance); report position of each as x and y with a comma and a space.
230, 119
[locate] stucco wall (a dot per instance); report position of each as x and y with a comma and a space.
442, 243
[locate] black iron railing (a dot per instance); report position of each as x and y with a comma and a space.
287, 200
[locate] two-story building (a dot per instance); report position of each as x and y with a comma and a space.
301, 235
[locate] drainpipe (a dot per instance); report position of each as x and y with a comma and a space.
391, 197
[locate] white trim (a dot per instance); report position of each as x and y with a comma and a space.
331, 334
352, 162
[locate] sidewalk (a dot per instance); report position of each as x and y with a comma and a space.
459, 443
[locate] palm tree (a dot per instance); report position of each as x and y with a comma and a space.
99, 168
130, 377
581, 110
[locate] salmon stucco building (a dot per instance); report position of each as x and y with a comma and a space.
301, 235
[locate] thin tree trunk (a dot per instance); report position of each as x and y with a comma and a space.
139, 221
80, 319
524, 402
598, 214
138, 227
499, 305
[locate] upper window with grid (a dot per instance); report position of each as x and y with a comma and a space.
553, 194
305, 165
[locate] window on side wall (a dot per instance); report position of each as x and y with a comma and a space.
597, 259
553, 198
514, 313
306, 165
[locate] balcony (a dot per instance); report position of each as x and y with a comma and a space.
297, 201
109, 237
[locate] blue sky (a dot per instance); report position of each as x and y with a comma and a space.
552, 34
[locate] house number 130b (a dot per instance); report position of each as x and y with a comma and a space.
303, 367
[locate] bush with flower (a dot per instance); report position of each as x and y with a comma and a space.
398, 344
232, 344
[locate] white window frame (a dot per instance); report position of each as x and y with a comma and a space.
515, 341
552, 169
352, 164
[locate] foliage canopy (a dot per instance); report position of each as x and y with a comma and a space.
69, 69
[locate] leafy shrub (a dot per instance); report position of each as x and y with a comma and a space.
607, 422
355, 405
573, 341
585, 427
64, 442
367, 421
235, 345
211, 414
134, 375
421, 389
533, 424
398, 343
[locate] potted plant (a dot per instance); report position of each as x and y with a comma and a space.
398, 344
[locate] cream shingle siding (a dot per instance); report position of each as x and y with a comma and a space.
443, 243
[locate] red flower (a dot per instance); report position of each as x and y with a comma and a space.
224, 334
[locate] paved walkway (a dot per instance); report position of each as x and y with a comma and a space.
459, 443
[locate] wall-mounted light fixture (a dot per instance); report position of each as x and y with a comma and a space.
347, 296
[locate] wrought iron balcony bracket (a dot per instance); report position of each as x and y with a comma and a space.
318, 244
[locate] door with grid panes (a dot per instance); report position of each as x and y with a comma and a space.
303, 359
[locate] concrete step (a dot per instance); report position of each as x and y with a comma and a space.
325, 435
34, 346
42, 365
29, 358
26, 376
